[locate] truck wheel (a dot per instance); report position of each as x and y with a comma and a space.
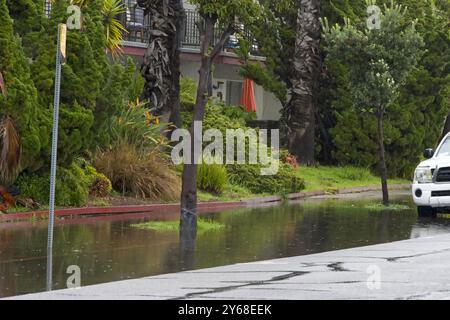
428, 212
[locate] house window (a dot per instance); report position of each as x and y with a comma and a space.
234, 90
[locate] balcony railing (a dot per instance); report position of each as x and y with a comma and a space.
135, 22
47, 7
138, 24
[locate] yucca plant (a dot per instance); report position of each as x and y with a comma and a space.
114, 29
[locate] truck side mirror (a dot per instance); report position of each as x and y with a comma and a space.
428, 153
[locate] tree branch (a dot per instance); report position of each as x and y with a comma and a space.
229, 31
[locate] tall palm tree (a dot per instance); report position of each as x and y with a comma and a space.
161, 65
299, 113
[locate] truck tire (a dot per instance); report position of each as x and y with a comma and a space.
428, 212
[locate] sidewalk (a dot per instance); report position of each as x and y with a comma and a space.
410, 269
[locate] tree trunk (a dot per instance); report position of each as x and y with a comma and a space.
161, 65
188, 219
383, 168
299, 113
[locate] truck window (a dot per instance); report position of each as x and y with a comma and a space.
444, 150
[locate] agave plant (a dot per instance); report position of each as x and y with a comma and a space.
113, 27
10, 150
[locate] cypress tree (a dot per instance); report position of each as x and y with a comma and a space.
81, 81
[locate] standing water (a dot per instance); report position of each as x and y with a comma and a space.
111, 249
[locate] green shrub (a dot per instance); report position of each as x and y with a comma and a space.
188, 92
100, 185
34, 186
212, 178
237, 112
72, 186
284, 182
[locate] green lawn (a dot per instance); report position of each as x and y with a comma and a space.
316, 178
332, 178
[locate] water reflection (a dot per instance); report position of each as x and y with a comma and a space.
110, 250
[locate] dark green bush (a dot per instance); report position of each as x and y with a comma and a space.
188, 92
212, 178
249, 176
72, 186
99, 184
222, 117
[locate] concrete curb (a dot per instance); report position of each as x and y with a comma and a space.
203, 206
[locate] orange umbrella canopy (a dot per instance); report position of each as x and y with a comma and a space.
248, 96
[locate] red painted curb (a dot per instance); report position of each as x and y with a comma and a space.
172, 207
169, 207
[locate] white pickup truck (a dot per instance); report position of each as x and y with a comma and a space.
431, 186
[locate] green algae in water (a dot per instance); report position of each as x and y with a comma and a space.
392, 206
203, 225
367, 205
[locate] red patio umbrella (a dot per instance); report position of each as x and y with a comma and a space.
248, 96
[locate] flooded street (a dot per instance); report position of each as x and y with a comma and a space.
109, 249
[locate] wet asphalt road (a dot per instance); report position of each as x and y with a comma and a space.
410, 269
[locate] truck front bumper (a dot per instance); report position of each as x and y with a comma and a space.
436, 195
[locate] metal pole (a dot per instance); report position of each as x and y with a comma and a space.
51, 211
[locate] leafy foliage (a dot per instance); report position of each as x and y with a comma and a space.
415, 118
72, 186
222, 117
378, 60
212, 177
100, 185
249, 176
136, 126
114, 29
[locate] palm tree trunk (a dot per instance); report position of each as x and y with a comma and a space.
299, 113
161, 65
